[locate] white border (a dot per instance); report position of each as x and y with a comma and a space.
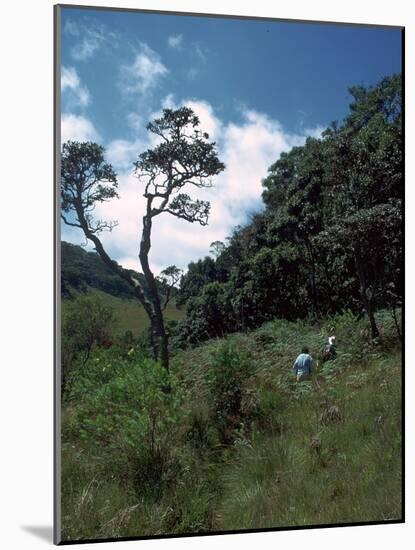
27, 274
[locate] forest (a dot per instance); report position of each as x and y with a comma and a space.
180, 412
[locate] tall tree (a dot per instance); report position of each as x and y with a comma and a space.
364, 173
183, 156
293, 190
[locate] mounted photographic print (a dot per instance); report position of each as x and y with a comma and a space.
229, 274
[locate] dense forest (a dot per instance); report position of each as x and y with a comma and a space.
225, 438
328, 239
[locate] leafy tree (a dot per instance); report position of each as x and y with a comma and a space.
330, 237
183, 156
169, 278
365, 176
369, 234
198, 275
216, 248
297, 180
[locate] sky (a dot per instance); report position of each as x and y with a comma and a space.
258, 87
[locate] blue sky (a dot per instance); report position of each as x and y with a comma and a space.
259, 87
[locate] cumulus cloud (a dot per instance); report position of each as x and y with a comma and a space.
175, 41
77, 128
144, 73
122, 153
209, 122
247, 149
75, 94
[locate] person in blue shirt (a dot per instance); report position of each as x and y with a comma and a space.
303, 365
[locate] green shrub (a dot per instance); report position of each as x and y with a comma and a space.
102, 367
86, 323
125, 411
229, 372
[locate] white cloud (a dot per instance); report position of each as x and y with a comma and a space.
145, 73
175, 41
86, 48
247, 149
122, 153
77, 128
135, 122
74, 92
168, 102
208, 120
91, 37
314, 132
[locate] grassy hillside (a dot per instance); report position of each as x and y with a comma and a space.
318, 452
129, 313
81, 270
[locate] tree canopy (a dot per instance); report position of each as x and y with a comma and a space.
330, 236
183, 156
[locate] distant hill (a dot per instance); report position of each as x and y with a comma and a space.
81, 270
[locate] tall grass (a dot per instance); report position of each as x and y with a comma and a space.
317, 452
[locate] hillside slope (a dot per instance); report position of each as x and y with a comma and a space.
129, 313
81, 269
85, 272
318, 452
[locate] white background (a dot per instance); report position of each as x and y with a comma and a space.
26, 303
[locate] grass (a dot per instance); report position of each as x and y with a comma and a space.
130, 314
319, 452
321, 472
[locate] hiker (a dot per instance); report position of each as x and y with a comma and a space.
330, 349
303, 365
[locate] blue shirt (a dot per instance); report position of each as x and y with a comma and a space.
303, 364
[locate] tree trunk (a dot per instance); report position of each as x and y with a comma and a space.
374, 332
395, 318
312, 280
160, 341
364, 293
159, 337
150, 300
120, 271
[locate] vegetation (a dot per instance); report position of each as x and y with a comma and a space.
328, 239
237, 444
81, 270
86, 323
183, 157
129, 314
225, 438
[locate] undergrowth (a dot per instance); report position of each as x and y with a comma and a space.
237, 443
